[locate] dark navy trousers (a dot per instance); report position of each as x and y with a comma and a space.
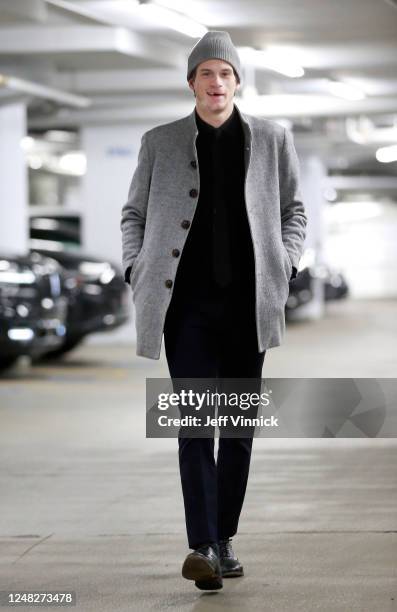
213, 335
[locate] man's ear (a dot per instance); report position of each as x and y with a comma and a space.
191, 85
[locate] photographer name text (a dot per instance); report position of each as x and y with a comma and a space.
220, 421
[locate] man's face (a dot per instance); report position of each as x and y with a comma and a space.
214, 85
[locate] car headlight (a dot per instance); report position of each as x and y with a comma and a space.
15, 277
94, 271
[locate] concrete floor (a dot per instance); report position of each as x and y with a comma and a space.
90, 505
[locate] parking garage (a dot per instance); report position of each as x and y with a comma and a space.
92, 502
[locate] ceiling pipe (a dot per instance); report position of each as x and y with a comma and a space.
44, 92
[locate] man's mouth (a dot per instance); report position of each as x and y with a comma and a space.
215, 95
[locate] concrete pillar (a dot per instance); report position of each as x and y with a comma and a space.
313, 179
112, 154
14, 227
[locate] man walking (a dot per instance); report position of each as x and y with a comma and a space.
212, 232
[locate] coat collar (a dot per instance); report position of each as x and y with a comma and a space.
192, 131
245, 122
227, 126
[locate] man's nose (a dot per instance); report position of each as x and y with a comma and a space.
216, 80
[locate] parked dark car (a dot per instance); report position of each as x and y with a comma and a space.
301, 287
97, 294
33, 306
335, 287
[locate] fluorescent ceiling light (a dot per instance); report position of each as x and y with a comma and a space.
387, 154
274, 60
345, 91
173, 20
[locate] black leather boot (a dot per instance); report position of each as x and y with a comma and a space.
203, 566
230, 565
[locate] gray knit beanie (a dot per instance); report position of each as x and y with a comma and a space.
215, 44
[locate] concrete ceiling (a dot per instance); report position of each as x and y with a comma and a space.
132, 68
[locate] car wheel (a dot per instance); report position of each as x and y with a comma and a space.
7, 361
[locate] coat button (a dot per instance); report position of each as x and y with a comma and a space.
168, 283
193, 163
193, 193
185, 224
175, 252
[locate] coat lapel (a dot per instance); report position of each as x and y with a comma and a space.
247, 138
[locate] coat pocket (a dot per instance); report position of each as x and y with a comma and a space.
136, 267
288, 263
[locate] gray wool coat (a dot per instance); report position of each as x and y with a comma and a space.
160, 209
